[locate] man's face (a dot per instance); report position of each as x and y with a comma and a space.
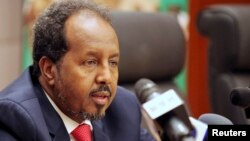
86, 78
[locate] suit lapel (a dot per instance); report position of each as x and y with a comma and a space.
53, 121
98, 132
61, 134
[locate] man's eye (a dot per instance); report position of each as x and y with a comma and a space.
90, 62
113, 63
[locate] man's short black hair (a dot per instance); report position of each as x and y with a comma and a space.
49, 37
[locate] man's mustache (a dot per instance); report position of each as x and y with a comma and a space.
101, 88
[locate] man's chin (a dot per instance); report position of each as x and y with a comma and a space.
93, 116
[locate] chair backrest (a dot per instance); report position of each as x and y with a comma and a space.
152, 45
227, 28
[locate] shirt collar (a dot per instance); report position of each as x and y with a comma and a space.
68, 122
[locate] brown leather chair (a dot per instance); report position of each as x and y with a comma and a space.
227, 28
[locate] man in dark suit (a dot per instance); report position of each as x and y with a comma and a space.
73, 81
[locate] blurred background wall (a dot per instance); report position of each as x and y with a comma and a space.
10, 40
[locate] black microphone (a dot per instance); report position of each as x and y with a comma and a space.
167, 109
240, 97
213, 119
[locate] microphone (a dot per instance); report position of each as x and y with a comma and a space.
167, 109
213, 119
240, 97
200, 129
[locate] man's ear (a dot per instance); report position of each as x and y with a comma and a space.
48, 70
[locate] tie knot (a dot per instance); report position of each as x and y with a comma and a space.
82, 133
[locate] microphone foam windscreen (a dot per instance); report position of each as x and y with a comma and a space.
215, 119
144, 88
240, 97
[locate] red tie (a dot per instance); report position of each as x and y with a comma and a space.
82, 133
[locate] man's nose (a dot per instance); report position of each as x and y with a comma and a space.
104, 75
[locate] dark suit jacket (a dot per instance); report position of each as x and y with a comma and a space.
27, 115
